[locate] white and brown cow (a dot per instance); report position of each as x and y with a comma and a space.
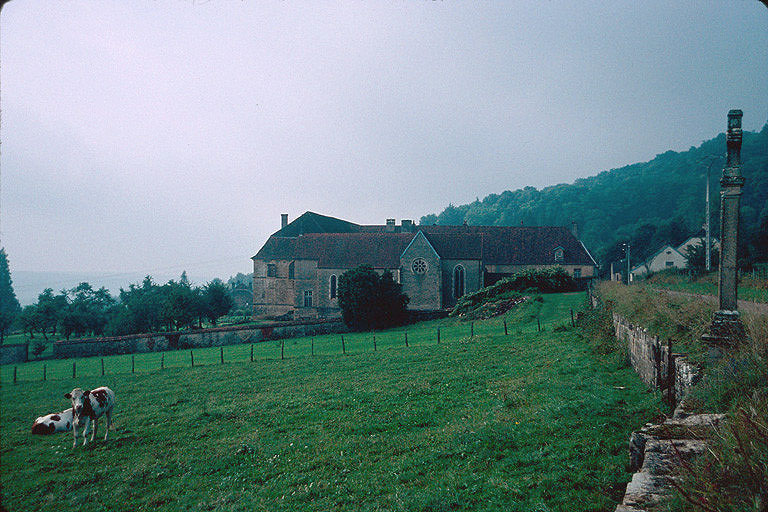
51, 423
90, 406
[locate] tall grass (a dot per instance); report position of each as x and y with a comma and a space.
683, 320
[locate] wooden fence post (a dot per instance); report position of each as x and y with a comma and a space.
102, 366
45, 369
505, 328
343, 347
74, 370
438, 335
133, 363
282, 349
221, 354
406, 338
374, 343
192, 358
573, 323
162, 361
538, 324
14, 375
472, 327
313, 347
251, 352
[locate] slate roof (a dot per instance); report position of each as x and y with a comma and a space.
356, 244
339, 250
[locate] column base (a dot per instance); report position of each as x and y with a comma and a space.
725, 334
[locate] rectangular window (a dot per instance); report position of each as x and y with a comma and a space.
271, 270
576, 273
307, 298
670, 263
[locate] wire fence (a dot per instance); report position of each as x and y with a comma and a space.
423, 334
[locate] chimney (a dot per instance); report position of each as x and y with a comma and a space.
407, 225
283, 220
390, 226
575, 230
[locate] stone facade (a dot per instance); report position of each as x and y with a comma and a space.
296, 272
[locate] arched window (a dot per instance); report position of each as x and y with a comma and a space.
458, 281
333, 286
559, 254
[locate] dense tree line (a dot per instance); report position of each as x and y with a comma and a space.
9, 304
146, 307
648, 204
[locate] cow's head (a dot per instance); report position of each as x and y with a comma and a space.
78, 398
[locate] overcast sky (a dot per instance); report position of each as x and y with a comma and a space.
162, 135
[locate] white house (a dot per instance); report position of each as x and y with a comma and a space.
666, 257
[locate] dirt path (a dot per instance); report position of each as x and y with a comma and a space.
757, 308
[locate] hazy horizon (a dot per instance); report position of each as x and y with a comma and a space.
155, 137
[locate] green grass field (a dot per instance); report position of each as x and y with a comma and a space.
753, 289
529, 421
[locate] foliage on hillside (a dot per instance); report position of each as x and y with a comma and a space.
650, 203
503, 295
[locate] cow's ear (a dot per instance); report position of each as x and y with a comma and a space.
68, 396
86, 392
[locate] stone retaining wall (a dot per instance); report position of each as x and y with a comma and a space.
654, 361
156, 342
16, 353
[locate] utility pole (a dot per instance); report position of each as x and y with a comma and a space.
707, 223
627, 251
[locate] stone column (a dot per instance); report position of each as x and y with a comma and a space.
726, 329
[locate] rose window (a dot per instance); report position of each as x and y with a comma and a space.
419, 266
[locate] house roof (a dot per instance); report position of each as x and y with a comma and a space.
354, 244
339, 250
311, 222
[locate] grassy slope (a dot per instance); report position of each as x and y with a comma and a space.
752, 289
524, 422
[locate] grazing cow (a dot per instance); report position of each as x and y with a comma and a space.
90, 406
58, 422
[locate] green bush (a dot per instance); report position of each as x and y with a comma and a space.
371, 301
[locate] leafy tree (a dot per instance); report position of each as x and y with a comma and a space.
181, 304
9, 305
369, 301
696, 258
217, 300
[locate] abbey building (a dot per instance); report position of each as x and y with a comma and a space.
296, 272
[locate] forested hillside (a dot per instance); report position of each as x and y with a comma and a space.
648, 203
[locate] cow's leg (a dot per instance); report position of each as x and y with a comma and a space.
74, 431
95, 428
108, 414
86, 429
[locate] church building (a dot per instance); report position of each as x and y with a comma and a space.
296, 272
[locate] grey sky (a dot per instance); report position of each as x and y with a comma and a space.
156, 136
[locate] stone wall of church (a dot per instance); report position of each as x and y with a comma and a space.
473, 279
305, 282
423, 289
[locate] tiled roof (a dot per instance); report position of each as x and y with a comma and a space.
311, 222
494, 245
339, 250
